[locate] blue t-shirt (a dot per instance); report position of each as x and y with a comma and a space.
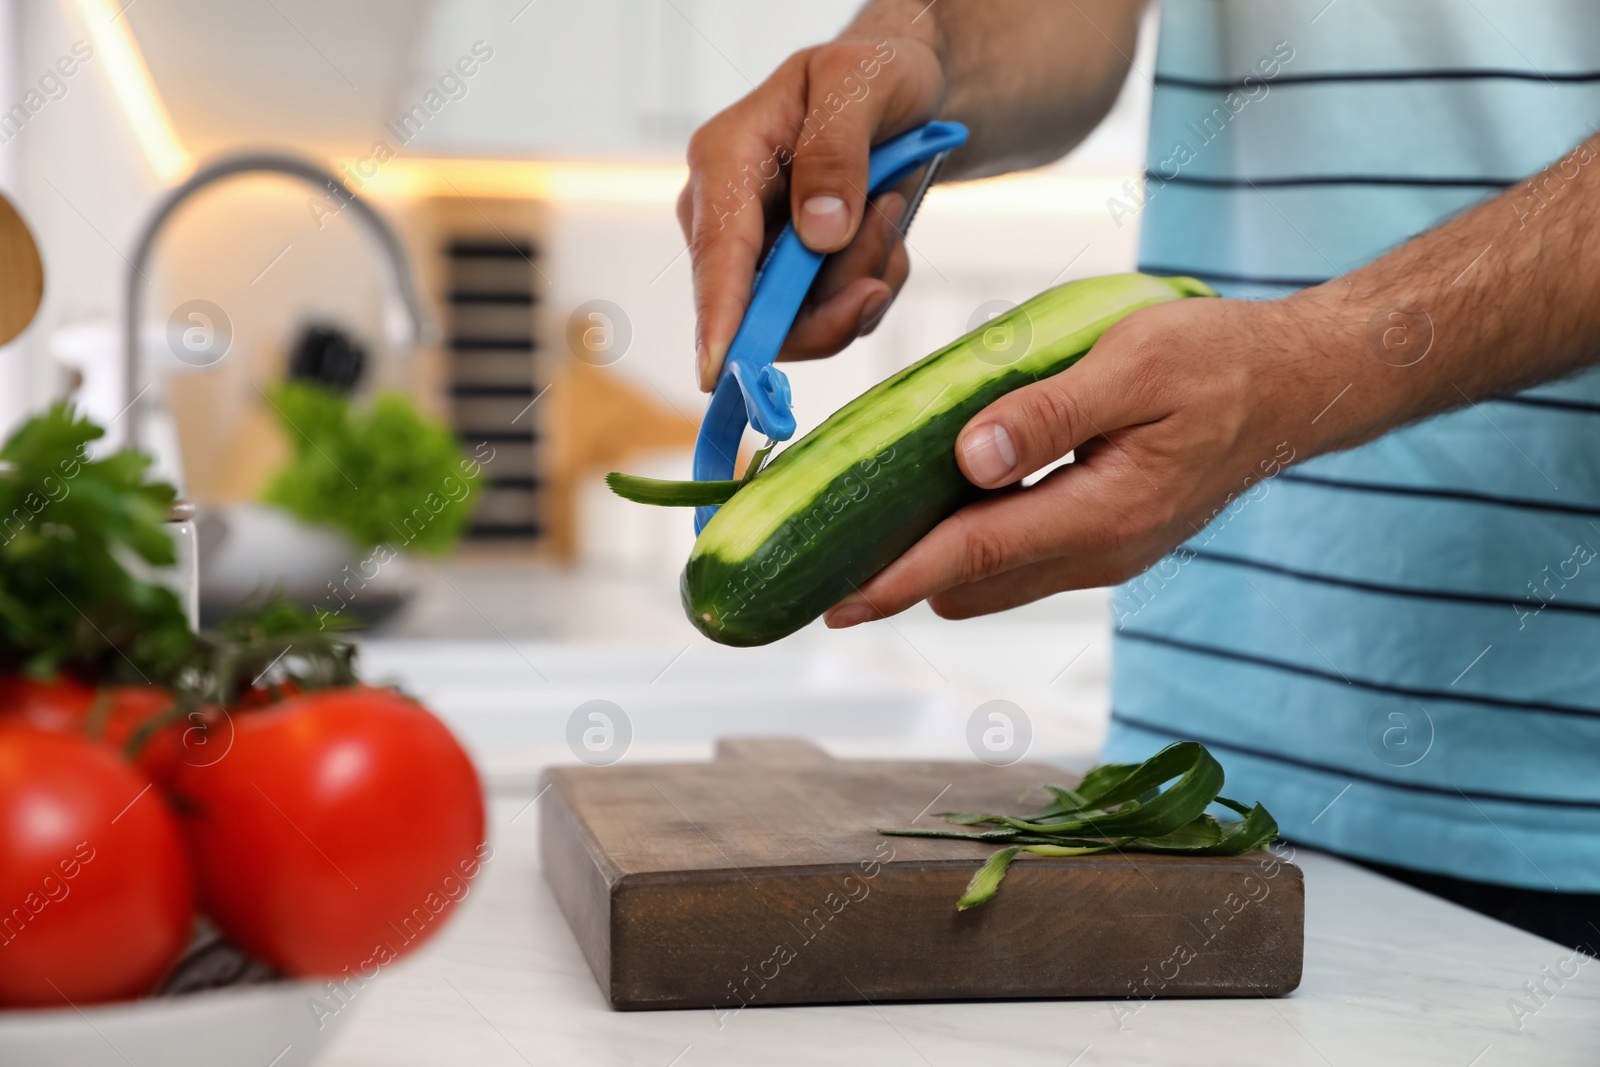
1395, 648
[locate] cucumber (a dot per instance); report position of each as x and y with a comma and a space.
846, 499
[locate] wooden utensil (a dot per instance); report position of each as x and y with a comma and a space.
760, 879
21, 274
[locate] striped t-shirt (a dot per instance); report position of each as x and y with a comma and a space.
1395, 648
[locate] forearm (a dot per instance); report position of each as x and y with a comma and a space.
1499, 299
1029, 79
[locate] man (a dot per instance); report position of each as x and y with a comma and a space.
1395, 645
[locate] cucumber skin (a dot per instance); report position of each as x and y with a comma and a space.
865, 519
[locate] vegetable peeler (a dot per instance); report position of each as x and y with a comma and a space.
750, 389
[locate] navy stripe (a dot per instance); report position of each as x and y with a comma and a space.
1450, 596
1462, 495
1551, 402
1331, 179
1362, 683
1253, 81
1362, 776
1240, 279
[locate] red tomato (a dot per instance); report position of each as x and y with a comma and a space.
270, 693
96, 901
338, 830
110, 715
62, 703
127, 708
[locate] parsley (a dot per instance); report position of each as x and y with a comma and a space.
381, 473
79, 539
68, 526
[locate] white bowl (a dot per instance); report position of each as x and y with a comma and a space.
267, 1025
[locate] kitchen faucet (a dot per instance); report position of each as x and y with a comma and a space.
422, 328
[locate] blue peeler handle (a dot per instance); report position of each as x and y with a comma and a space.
751, 389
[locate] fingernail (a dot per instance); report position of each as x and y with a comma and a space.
708, 361
871, 312
989, 455
823, 220
848, 613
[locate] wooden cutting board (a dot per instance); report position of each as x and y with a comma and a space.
760, 879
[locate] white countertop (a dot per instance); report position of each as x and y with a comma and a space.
1392, 975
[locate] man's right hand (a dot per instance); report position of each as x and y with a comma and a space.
823, 109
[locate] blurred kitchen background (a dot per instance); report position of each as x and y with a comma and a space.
524, 158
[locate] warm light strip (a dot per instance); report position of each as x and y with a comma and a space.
657, 184
134, 89
612, 183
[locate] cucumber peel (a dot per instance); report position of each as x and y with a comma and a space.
678, 494
671, 494
1120, 808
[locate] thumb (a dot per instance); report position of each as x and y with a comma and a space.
1039, 423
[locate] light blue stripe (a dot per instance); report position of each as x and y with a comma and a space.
1507, 449
1326, 724
1398, 641
1473, 130
1304, 231
1209, 39
1499, 549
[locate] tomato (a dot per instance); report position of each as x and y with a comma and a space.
96, 900
62, 703
270, 693
338, 830
110, 715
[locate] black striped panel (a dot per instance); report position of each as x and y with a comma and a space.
492, 344
505, 529
484, 296
1360, 776
520, 437
1367, 685
490, 248
474, 389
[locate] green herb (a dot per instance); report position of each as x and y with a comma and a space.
259, 647
669, 493
68, 526
381, 472
79, 540
264, 641
1117, 807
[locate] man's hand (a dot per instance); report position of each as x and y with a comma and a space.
1182, 405
797, 147
1176, 409
1028, 79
